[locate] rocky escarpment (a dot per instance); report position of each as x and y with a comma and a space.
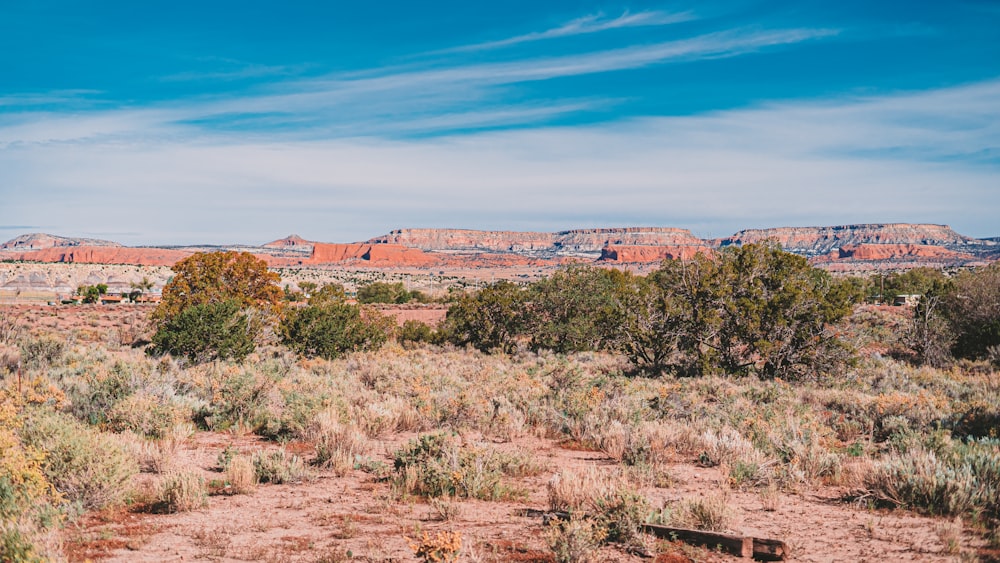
103, 255
578, 241
291, 242
40, 241
374, 254
814, 241
896, 245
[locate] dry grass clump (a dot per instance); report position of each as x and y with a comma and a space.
338, 446
183, 492
241, 475
604, 497
575, 540
277, 467
710, 512
436, 465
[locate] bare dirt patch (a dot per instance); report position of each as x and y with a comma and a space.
333, 518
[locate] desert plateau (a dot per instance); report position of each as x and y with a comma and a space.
427, 439
633, 281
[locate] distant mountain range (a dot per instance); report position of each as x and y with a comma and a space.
837, 248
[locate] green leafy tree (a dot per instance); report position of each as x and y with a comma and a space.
416, 331
215, 277
747, 310
92, 293
490, 319
206, 332
308, 287
572, 309
216, 306
973, 310
917, 281
776, 310
932, 335
332, 328
960, 318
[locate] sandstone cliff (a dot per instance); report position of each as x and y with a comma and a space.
104, 255
374, 254
813, 241
897, 245
577, 241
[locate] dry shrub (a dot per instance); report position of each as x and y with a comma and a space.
572, 490
338, 446
664, 436
183, 492
241, 477
442, 547
575, 540
728, 447
380, 418
279, 467
86, 466
507, 422
10, 359
604, 497
710, 512
918, 479
41, 352
10, 329
147, 414
435, 465
770, 498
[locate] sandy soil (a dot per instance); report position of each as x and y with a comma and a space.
331, 518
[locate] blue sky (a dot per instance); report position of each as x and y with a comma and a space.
220, 122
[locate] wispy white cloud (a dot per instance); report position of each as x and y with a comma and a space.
897, 157
237, 71
52, 97
581, 26
396, 100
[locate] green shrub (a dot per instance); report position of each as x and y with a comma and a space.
205, 332
621, 512
383, 292
18, 547
575, 540
331, 329
88, 467
415, 331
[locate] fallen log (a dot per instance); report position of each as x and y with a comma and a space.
761, 549
728, 543
769, 550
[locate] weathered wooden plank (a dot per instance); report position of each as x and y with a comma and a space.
734, 545
769, 550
